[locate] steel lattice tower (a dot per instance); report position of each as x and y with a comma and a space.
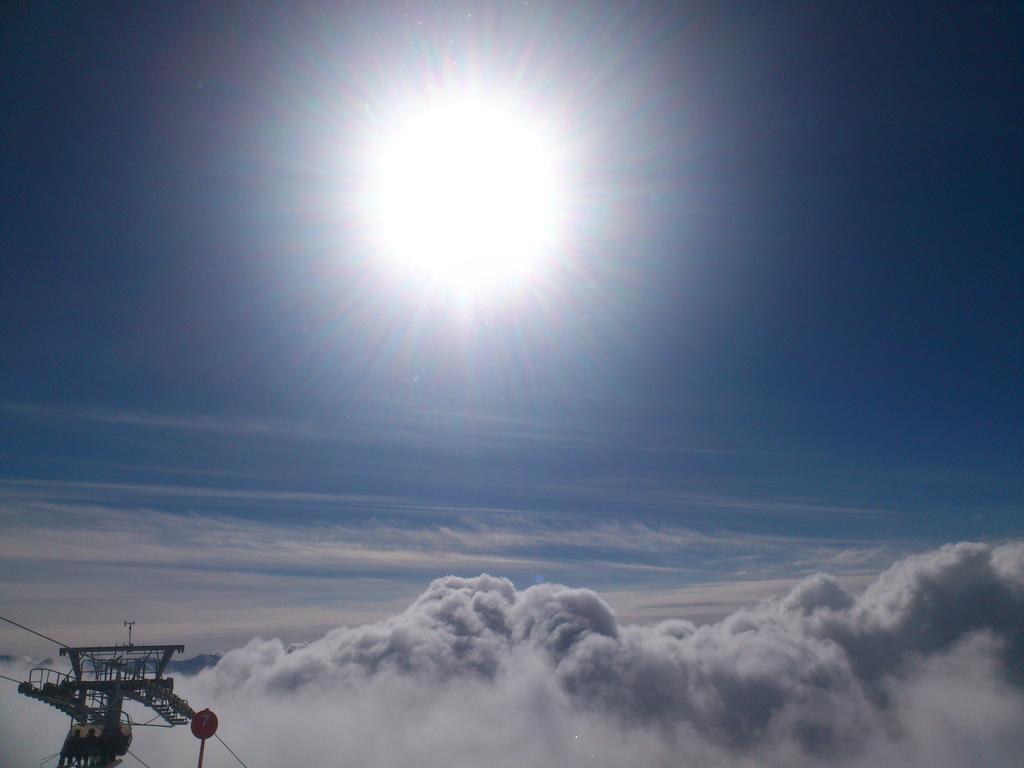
101, 678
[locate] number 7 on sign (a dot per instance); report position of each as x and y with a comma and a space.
204, 725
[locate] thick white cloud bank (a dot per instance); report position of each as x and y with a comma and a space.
926, 667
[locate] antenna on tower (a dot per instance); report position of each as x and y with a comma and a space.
129, 624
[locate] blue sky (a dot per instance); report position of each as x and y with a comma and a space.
785, 332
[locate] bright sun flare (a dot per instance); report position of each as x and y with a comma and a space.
465, 194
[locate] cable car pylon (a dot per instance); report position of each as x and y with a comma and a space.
102, 678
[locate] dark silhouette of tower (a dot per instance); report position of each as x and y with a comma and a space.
93, 694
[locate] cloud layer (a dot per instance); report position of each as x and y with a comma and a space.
922, 667
295, 564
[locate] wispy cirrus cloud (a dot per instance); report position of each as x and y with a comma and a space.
386, 424
80, 521
64, 539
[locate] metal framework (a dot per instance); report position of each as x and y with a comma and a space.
101, 678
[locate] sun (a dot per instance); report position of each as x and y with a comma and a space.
465, 194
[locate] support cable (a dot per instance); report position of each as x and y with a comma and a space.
138, 758
155, 717
229, 749
13, 680
38, 634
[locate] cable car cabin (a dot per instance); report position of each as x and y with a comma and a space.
95, 740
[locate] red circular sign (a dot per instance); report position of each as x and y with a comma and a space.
204, 724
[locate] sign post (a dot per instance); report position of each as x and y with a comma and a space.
204, 725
